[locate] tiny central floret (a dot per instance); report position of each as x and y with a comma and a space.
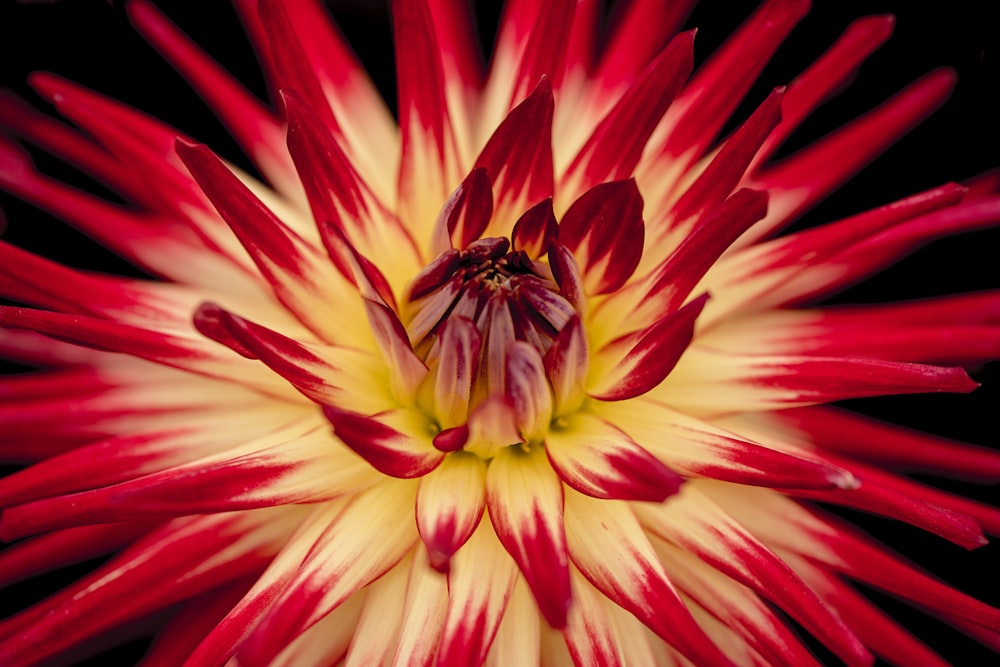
505, 294
483, 319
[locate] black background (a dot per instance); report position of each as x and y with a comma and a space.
91, 42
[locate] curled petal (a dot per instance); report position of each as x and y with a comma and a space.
527, 391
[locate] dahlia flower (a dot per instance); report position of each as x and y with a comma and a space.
527, 370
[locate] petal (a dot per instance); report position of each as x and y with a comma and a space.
800, 181
396, 443
640, 30
599, 460
517, 641
428, 170
766, 382
353, 551
518, 157
339, 197
616, 144
184, 558
567, 364
535, 229
697, 449
284, 468
321, 372
604, 231
889, 444
254, 126
454, 376
527, 391
424, 609
300, 276
544, 51
450, 503
590, 633
634, 364
406, 370
467, 212
698, 525
480, 583
607, 544
380, 618
525, 497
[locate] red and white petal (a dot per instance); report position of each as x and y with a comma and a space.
714, 92
814, 262
640, 31
459, 344
603, 229
636, 363
254, 126
429, 167
466, 214
226, 637
663, 289
176, 349
300, 275
882, 443
518, 159
352, 551
616, 144
590, 633
120, 458
480, 584
803, 179
60, 548
450, 504
609, 547
525, 501
517, 641
155, 241
324, 643
527, 391
835, 68
339, 197
599, 460
398, 443
725, 602
184, 558
380, 618
885, 637
320, 372
359, 109
699, 526
711, 382
725, 170
406, 370
492, 427
535, 229
424, 609
293, 465
567, 364
695, 448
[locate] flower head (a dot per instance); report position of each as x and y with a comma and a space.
524, 375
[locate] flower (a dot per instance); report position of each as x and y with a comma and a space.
553, 394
